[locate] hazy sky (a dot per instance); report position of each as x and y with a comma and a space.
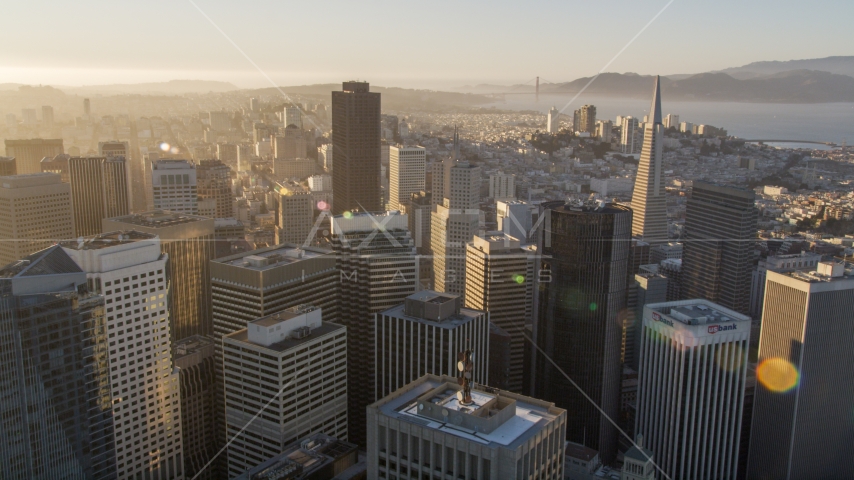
404, 43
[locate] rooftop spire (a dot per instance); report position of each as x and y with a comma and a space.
655, 108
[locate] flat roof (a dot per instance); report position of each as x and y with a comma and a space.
527, 421
270, 257
466, 315
105, 240
242, 336
158, 219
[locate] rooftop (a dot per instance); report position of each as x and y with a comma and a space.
289, 342
303, 459
105, 240
507, 419
271, 257
158, 219
443, 310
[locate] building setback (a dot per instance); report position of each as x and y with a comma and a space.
424, 335
292, 367
802, 424
693, 369
422, 428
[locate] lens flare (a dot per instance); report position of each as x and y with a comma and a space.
777, 374
321, 205
593, 307
174, 150
165, 146
348, 214
519, 278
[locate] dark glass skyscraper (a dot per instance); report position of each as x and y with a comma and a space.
580, 304
56, 412
720, 232
356, 143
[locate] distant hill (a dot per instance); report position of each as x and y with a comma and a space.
172, 87
796, 86
839, 65
393, 98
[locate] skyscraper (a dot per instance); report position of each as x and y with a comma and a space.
87, 108
720, 232
47, 116
174, 186
453, 222
213, 178
375, 256
188, 242
296, 215
300, 363
693, 369
128, 269
585, 254
630, 138
498, 280
552, 123
55, 404
649, 203
802, 422
502, 186
99, 190
292, 116
28, 153
406, 174
356, 141
291, 144
194, 357
586, 119
35, 212
424, 335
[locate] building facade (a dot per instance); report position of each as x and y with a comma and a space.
35, 213
194, 358
174, 186
406, 174
292, 367
582, 290
802, 405
423, 336
28, 153
499, 281
99, 190
378, 267
717, 258
213, 178
693, 371
188, 241
129, 270
649, 203
356, 140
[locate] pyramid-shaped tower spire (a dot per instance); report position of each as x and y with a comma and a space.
655, 108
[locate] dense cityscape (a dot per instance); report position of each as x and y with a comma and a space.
351, 282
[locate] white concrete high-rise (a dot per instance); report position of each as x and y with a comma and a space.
552, 124
671, 121
649, 205
174, 186
502, 186
292, 367
296, 215
406, 174
693, 372
292, 116
630, 140
128, 269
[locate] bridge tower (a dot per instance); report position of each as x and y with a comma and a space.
538, 90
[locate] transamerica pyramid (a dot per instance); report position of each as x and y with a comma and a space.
648, 200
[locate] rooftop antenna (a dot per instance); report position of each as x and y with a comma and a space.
465, 367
